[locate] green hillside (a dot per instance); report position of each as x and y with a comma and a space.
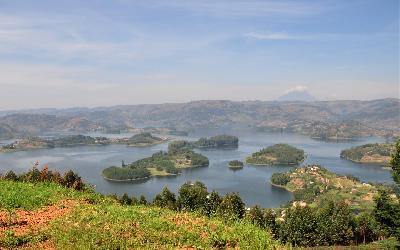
86, 220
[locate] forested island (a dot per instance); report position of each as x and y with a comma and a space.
215, 142
235, 164
312, 184
378, 153
278, 154
159, 164
32, 143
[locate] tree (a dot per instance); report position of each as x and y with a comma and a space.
192, 196
165, 199
300, 226
395, 163
256, 216
213, 203
367, 228
125, 200
335, 224
10, 175
387, 212
231, 207
142, 200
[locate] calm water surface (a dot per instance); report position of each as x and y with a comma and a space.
251, 182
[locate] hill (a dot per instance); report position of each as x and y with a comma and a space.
380, 117
369, 153
48, 216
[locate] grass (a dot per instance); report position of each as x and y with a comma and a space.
101, 223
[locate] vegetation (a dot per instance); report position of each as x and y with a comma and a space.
277, 154
235, 164
395, 163
159, 164
93, 221
30, 143
143, 139
312, 184
219, 141
369, 153
195, 218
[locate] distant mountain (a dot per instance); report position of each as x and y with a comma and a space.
351, 115
297, 95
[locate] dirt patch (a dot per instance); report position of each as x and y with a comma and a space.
23, 222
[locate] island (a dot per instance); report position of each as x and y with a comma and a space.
159, 164
378, 153
312, 184
278, 154
32, 143
215, 142
235, 164
144, 139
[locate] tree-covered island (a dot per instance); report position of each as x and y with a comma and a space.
235, 164
278, 154
159, 164
378, 153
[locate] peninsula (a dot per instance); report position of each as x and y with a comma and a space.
369, 153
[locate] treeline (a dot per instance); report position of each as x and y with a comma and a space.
329, 224
69, 179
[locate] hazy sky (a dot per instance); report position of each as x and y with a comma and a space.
100, 53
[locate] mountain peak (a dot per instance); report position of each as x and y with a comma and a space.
298, 93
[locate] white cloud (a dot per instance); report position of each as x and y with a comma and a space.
298, 88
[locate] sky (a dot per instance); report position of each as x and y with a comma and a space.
111, 52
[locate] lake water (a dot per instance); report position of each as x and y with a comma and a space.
252, 182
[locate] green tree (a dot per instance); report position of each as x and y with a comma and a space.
387, 212
213, 202
395, 163
300, 227
231, 207
142, 200
367, 228
165, 199
335, 224
192, 197
125, 200
256, 216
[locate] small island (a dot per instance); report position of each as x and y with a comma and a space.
278, 154
144, 139
378, 153
235, 164
215, 142
33, 143
159, 164
312, 184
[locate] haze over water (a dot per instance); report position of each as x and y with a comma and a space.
252, 182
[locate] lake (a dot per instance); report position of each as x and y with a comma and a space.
252, 182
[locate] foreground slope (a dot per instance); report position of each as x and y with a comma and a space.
50, 216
